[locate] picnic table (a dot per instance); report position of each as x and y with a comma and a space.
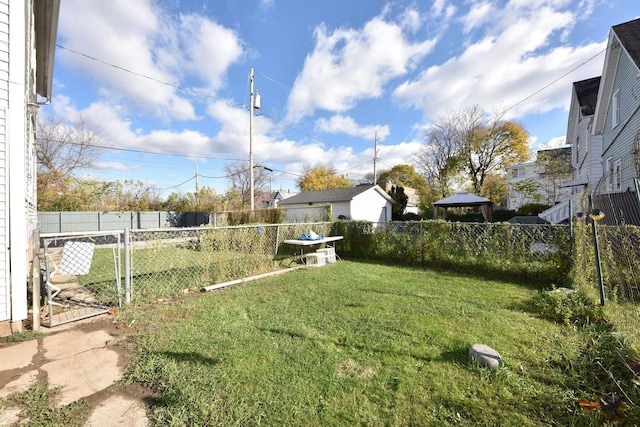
303, 243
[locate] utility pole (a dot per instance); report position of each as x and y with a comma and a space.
251, 97
196, 193
375, 159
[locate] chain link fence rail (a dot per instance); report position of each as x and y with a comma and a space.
619, 256
535, 253
171, 262
80, 276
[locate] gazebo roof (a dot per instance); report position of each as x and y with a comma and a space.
462, 199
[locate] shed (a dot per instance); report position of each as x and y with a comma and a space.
462, 200
368, 202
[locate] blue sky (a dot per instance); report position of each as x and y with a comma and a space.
167, 81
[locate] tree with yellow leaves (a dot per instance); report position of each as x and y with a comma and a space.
321, 177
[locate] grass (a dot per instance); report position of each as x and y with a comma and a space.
39, 409
357, 343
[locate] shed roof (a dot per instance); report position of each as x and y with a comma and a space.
333, 195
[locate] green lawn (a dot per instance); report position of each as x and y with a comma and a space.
357, 344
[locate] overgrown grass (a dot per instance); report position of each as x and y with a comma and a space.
39, 408
357, 343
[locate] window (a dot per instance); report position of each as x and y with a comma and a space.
615, 109
617, 175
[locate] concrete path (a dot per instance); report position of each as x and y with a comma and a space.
85, 360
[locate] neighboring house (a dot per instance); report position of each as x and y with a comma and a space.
617, 121
363, 202
531, 183
413, 198
279, 196
586, 147
28, 35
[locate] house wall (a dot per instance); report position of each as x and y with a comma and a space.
370, 206
5, 308
544, 187
618, 140
341, 208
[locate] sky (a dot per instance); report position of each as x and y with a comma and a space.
168, 82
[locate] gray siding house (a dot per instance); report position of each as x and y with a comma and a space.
617, 118
28, 30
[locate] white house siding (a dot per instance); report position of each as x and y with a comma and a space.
341, 208
18, 138
618, 141
371, 206
5, 309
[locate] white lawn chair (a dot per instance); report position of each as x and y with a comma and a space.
76, 260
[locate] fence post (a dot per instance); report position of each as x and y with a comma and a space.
571, 232
35, 282
127, 266
597, 250
421, 242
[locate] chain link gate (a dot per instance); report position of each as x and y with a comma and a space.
80, 276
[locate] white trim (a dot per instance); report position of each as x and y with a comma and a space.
615, 109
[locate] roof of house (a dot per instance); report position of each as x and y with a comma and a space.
46, 14
587, 93
629, 35
462, 199
332, 195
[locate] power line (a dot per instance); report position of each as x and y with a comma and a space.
135, 73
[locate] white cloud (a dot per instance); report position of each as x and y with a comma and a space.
557, 142
508, 65
347, 125
479, 15
349, 65
139, 37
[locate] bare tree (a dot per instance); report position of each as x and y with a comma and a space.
239, 174
440, 158
64, 148
467, 141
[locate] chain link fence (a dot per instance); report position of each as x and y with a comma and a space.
527, 252
171, 262
619, 250
165, 263
80, 276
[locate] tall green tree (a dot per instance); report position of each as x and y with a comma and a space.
321, 177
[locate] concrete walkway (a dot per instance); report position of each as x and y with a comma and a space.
84, 359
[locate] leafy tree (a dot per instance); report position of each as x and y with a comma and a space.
494, 188
490, 145
467, 141
406, 176
239, 174
554, 167
528, 188
321, 177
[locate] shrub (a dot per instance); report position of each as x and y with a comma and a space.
568, 307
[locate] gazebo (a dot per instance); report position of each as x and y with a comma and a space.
462, 200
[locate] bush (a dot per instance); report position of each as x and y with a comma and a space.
567, 306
